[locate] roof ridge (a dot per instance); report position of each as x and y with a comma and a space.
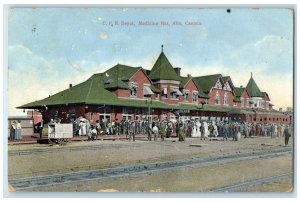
207, 75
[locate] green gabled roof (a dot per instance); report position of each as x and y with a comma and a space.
89, 91
202, 94
183, 81
114, 77
116, 84
225, 78
124, 72
206, 82
239, 91
163, 70
253, 89
154, 89
236, 99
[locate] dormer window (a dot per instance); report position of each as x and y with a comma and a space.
186, 95
175, 93
133, 90
195, 96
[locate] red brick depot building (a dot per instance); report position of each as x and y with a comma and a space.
125, 92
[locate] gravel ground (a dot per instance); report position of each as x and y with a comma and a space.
284, 185
190, 179
121, 152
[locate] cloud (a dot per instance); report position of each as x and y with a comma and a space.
279, 87
275, 52
31, 77
102, 36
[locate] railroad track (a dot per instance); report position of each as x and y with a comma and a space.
139, 169
251, 183
62, 148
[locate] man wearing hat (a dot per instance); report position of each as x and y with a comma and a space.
287, 135
12, 130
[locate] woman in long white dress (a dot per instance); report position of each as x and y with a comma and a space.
18, 131
82, 126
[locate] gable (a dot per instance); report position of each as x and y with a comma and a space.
227, 86
140, 76
218, 84
206, 83
191, 85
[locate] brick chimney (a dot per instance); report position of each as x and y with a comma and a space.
177, 70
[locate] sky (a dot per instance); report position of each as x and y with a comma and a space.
49, 48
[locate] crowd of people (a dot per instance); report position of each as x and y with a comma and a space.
162, 129
189, 128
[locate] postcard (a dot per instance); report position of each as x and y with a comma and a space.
194, 100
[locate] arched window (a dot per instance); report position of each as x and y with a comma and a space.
217, 98
225, 99
242, 102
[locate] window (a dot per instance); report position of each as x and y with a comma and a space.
157, 96
242, 102
206, 101
262, 104
195, 96
247, 102
137, 114
174, 95
186, 96
234, 104
133, 91
104, 114
147, 91
225, 99
164, 92
127, 113
217, 98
